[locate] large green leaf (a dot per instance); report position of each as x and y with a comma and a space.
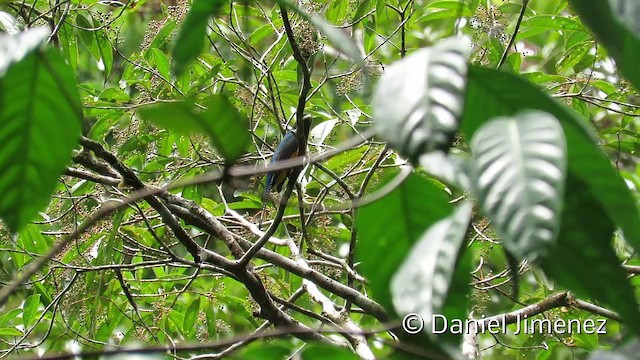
519, 166
192, 33
592, 202
40, 113
493, 93
418, 100
583, 259
612, 28
421, 283
220, 121
387, 229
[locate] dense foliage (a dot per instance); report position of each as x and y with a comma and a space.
466, 160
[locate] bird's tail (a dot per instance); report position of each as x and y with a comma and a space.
265, 197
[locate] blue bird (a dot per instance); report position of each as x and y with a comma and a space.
287, 149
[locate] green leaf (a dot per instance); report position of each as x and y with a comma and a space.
387, 229
362, 9
114, 95
421, 283
265, 350
43, 292
161, 62
418, 100
493, 93
612, 30
552, 22
447, 13
40, 113
30, 309
192, 33
9, 331
337, 10
111, 249
190, 316
6, 318
451, 5
519, 166
584, 245
220, 121
69, 44
163, 35
584, 235
96, 41
32, 240
573, 56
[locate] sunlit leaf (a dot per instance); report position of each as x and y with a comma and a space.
190, 316
29, 309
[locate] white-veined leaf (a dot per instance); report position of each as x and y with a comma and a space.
421, 284
418, 100
9, 23
520, 169
451, 168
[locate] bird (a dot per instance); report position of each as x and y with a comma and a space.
287, 149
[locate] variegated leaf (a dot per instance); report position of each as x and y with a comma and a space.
418, 100
421, 284
520, 169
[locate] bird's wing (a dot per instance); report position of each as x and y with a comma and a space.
287, 149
